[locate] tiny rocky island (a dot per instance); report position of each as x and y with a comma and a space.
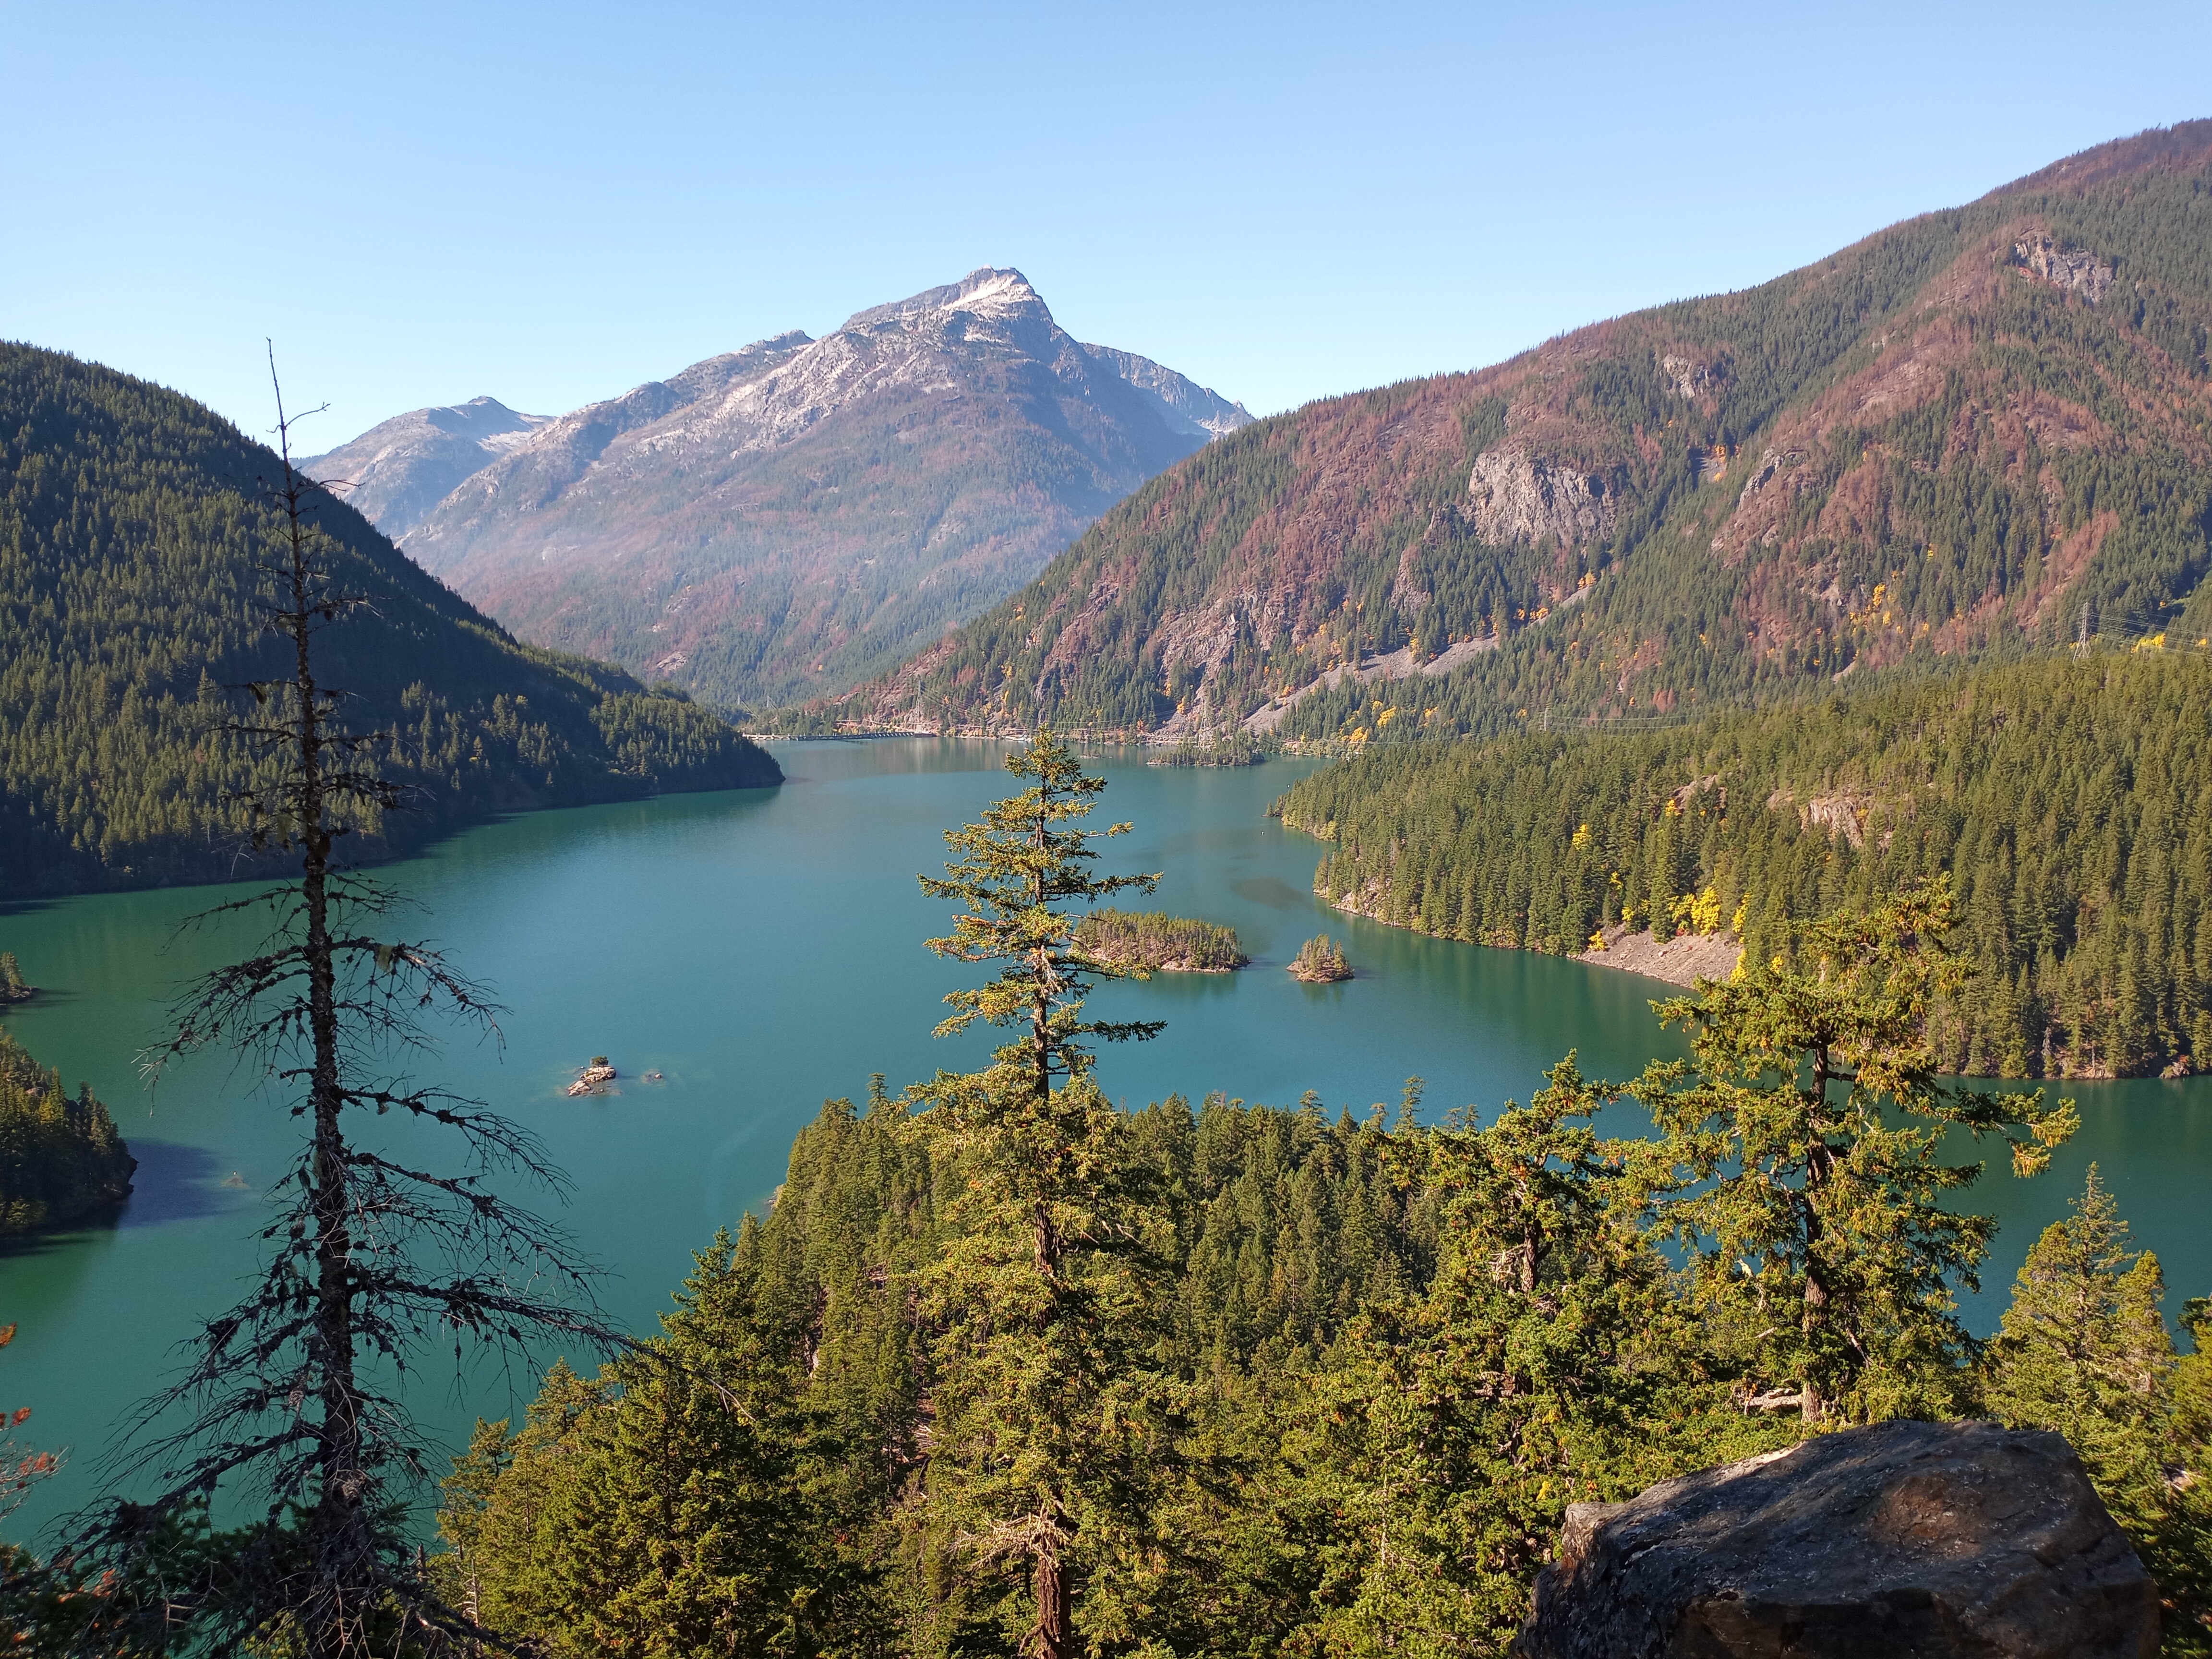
593, 1079
12, 988
1320, 961
1158, 942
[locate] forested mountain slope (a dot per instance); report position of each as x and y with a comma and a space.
2067, 798
131, 520
788, 519
1979, 430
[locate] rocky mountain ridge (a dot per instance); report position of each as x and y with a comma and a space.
1982, 429
786, 518
398, 469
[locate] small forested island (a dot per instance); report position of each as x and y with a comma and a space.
1158, 942
1320, 961
60, 1158
12, 988
1238, 749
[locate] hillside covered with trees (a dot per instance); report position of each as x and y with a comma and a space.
134, 526
2060, 796
1006, 1368
1979, 432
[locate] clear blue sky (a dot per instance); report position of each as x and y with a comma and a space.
552, 203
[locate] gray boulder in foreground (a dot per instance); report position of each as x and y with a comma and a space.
1905, 1540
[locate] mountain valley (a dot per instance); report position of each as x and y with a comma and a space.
1838, 651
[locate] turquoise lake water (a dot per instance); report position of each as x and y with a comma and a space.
763, 949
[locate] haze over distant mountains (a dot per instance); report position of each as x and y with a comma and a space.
397, 471
784, 520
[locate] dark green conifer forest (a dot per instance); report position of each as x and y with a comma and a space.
60, 1156
130, 524
2065, 797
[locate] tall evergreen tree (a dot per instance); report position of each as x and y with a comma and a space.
1014, 876
1810, 1124
1548, 1363
2183, 1555
1047, 1412
664, 1508
2084, 1350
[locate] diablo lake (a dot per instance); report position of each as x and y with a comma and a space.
762, 951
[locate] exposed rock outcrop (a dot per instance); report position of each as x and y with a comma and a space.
1404, 663
1841, 812
1682, 960
1927, 1539
2075, 269
1513, 497
1771, 465
594, 1078
1690, 377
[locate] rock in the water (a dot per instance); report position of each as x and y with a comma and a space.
1906, 1540
593, 1078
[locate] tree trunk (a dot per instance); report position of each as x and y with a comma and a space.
1050, 1638
334, 1528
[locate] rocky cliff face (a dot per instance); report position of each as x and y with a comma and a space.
1514, 498
1924, 1538
782, 520
396, 472
2074, 268
1186, 406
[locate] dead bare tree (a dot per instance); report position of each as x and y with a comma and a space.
290, 1414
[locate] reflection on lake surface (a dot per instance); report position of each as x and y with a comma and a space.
763, 950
